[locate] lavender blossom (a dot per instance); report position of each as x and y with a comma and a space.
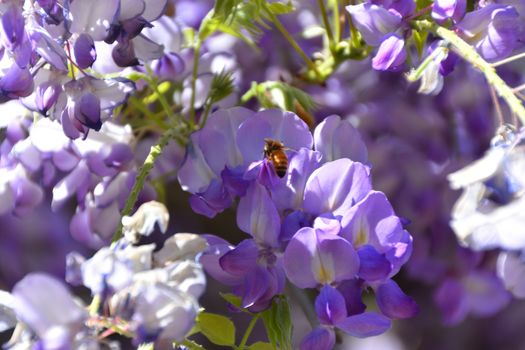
156, 293
488, 213
445, 9
492, 30
326, 228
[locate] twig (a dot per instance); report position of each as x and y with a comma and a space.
508, 60
469, 54
144, 171
497, 106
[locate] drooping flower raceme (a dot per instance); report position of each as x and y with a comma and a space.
52, 48
489, 213
320, 226
155, 292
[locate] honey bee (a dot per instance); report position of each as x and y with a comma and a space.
274, 152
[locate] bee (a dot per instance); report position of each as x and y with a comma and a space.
274, 152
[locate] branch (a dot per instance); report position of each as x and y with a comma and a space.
144, 171
469, 54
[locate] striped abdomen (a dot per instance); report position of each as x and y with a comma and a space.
280, 162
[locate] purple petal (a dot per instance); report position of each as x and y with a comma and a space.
493, 30
372, 265
195, 175
48, 48
169, 67
336, 138
445, 9
28, 155
313, 257
365, 325
131, 9
394, 303
17, 82
486, 294
110, 189
28, 194
285, 127
154, 9
93, 17
321, 338
46, 96
351, 291
373, 21
336, 186
258, 216
327, 224
240, 260
43, 302
84, 51
511, 270
81, 230
147, 50
255, 286
372, 221
88, 112
452, 301
214, 200
391, 54
330, 306
70, 184
12, 27
7, 198
289, 194
210, 260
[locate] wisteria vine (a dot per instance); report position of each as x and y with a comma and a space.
285, 115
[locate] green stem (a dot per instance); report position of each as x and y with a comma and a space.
249, 330
508, 60
206, 113
414, 75
311, 65
469, 54
337, 21
195, 71
154, 153
354, 34
160, 96
305, 303
326, 23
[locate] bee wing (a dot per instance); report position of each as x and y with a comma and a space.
477, 171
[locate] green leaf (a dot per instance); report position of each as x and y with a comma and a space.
260, 346
278, 8
232, 299
278, 323
218, 329
273, 94
242, 19
420, 38
221, 86
136, 76
421, 4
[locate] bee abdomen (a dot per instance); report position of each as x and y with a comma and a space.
280, 164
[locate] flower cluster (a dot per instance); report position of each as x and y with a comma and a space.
152, 296
320, 226
46, 44
97, 172
488, 215
494, 29
107, 103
